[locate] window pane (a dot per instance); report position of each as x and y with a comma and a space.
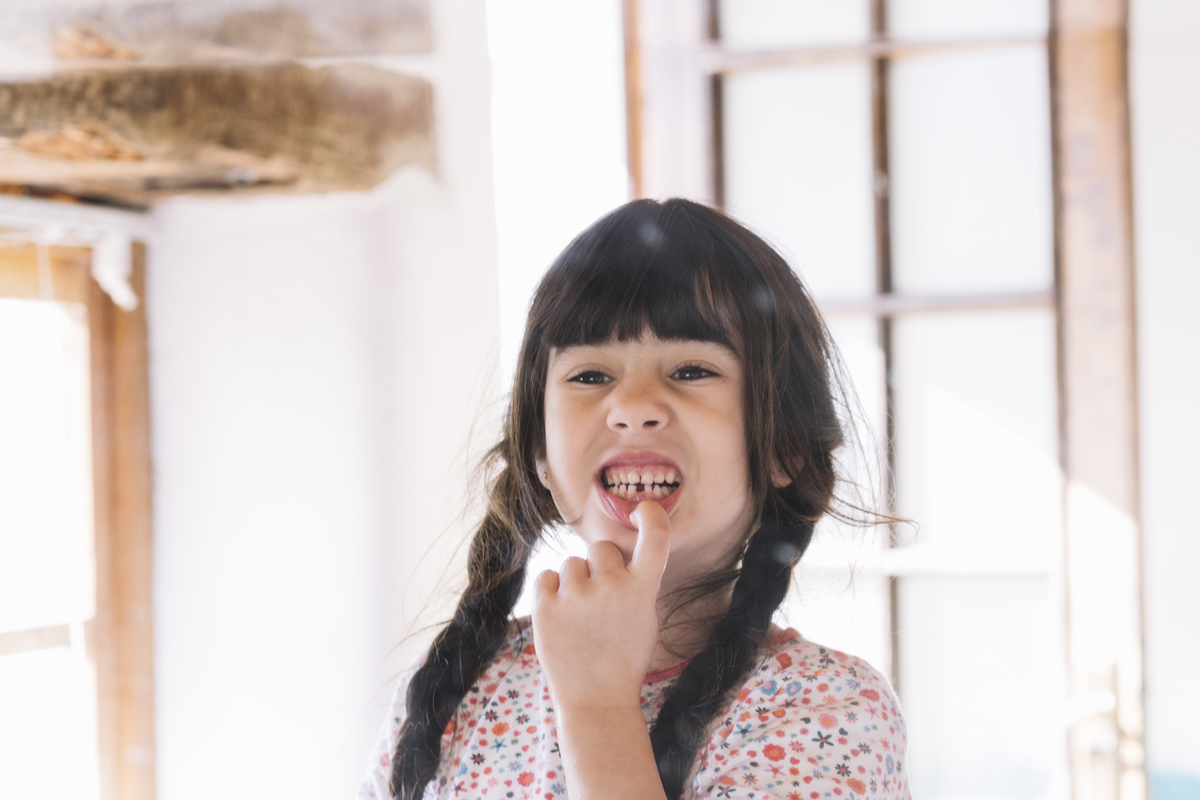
864, 411
792, 23
46, 569
835, 600
48, 725
976, 436
947, 19
981, 683
970, 164
798, 168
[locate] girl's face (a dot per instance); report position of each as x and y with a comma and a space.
650, 419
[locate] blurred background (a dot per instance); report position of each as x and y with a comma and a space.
264, 267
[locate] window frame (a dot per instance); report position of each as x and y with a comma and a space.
120, 636
674, 68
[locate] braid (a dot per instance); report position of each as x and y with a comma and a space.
681, 728
461, 650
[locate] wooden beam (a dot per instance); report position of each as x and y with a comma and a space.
138, 134
722, 61
1098, 398
633, 95
121, 463
170, 32
24, 279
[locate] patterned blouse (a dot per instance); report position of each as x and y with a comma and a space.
809, 723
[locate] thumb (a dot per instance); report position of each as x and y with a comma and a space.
653, 542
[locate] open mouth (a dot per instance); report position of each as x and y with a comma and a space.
635, 484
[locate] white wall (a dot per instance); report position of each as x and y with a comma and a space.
558, 112
316, 363
1165, 96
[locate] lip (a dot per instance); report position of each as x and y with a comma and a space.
618, 509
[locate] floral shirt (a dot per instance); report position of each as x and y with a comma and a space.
808, 723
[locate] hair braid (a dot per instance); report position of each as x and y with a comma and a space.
681, 728
461, 650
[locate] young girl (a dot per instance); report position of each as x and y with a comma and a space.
673, 405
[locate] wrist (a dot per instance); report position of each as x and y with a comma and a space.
598, 714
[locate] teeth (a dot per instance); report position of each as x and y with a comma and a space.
625, 482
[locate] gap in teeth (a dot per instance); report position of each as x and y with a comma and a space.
630, 482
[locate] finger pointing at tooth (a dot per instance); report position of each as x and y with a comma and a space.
653, 541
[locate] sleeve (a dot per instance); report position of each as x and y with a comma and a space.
806, 734
379, 771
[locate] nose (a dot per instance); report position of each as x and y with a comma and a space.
637, 405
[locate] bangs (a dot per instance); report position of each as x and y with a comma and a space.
634, 273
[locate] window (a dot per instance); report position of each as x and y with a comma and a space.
948, 178
75, 663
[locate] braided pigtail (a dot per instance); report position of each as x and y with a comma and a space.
681, 728
679, 271
496, 574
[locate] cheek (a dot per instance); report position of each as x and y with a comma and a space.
727, 444
566, 455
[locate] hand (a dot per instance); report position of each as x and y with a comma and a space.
595, 621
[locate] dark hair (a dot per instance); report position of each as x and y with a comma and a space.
682, 271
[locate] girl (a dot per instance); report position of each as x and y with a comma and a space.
673, 404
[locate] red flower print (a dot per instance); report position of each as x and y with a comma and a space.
828, 721
784, 661
525, 778
870, 694
857, 785
774, 752
823, 687
499, 729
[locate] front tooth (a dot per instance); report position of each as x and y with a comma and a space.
647, 478
671, 476
658, 491
660, 478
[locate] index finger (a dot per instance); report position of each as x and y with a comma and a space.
653, 542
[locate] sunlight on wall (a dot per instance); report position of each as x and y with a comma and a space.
558, 129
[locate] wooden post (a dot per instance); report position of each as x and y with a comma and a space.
1098, 399
121, 459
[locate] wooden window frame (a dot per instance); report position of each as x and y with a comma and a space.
120, 636
674, 65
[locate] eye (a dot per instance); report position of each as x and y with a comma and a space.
590, 377
692, 372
